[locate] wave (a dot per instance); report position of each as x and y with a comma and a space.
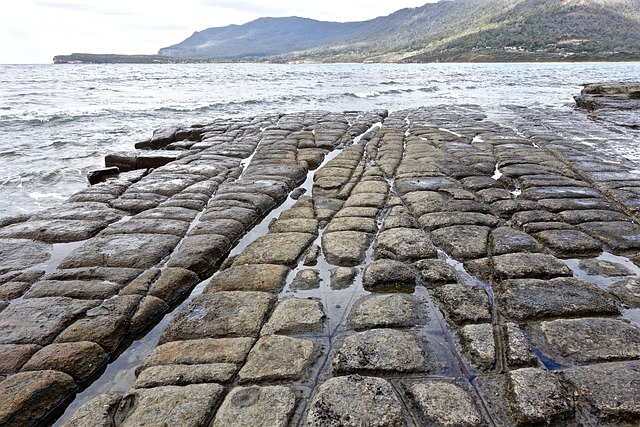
375, 93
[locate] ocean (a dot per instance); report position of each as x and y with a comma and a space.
57, 122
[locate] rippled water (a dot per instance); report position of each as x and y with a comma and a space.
57, 122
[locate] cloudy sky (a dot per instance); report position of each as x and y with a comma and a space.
33, 31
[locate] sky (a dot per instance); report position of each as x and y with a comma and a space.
34, 31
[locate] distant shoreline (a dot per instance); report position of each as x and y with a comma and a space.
465, 57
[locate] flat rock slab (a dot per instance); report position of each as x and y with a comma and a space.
275, 248
28, 397
54, 231
569, 242
463, 241
200, 252
276, 357
219, 315
191, 405
305, 280
122, 250
479, 343
386, 311
199, 352
628, 291
254, 277
590, 340
342, 277
445, 404
39, 320
433, 221
404, 244
538, 397
18, 254
295, 316
345, 248
389, 276
617, 235
79, 359
600, 267
505, 240
355, 401
519, 265
79, 289
435, 272
270, 406
464, 304
527, 299
365, 225
97, 412
164, 375
609, 391
14, 356
381, 351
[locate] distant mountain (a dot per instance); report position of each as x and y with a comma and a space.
450, 30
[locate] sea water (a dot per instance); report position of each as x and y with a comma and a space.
58, 121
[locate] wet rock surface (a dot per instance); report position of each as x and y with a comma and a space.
479, 273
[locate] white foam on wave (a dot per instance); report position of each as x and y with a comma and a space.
37, 195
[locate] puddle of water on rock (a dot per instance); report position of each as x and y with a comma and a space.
465, 277
60, 252
548, 363
496, 174
602, 281
632, 315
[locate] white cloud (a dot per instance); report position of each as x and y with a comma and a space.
33, 31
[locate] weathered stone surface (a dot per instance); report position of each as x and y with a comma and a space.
369, 200
365, 225
598, 267
199, 253
164, 375
97, 412
610, 390
191, 405
527, 299
219, 315
276, 357
445, 404
590, 340
569, 242
53, 231
345, 248
463, 241
618, 235
628, 291
105, 324
18, 254
256, 407
433, 221
79, 359
518, 350
432, 183
14, 356
152, 226
39, 320
79, 289
28, 397
464, 304
254, 277
295, 316
298, 225
305, 280
199, 352
479, 343
113, 274
342, 277
538, 397
275, 248
389, 276
386, 311
505, 240
172, 283
519, 265
126, 250
590, 215
436, 272
525, 217
403, 244
149, 309
355, 401
381, 351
